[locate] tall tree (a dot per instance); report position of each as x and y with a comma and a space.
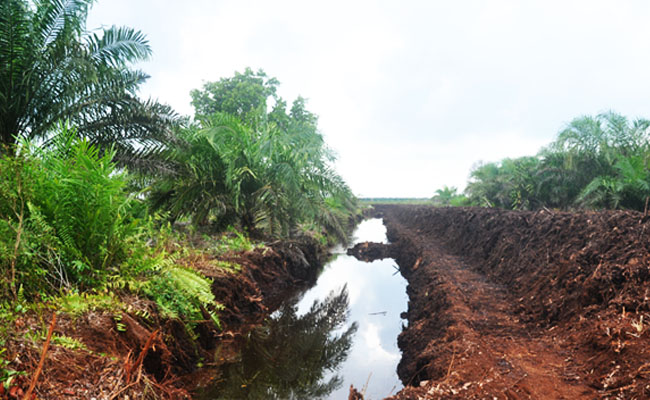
602, 161
271, 170
244, 96
265, 178
52, 68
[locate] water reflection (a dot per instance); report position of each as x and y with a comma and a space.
308, 350
294, 356
377, 298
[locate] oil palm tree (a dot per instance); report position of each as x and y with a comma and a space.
267, 179
605, 158
629, 187
52, 68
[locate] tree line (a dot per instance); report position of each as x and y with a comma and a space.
596, 162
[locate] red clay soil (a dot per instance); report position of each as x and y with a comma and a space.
523, 305
111, 366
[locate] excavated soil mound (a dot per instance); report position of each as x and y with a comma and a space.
507, 304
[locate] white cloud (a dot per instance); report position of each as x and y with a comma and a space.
374, 353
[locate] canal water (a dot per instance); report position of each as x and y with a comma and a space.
342, 331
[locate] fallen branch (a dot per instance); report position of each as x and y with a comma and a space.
46, 345
140, 359
129, 367
451, 364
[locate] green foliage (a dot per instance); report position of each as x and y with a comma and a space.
182, 292
77, 304
85, 203
7, 374
71, 225
268, 172
52, 69
197, 186
507, 184
68, 342
232, 241
227, 265
595, 162
627, 188
449, 196
244, 96
393, 200
444, 196
66, 218
19, 233
460, 201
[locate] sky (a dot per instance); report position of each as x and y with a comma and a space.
410, 94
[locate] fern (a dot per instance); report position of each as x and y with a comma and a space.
182, 293
70, 205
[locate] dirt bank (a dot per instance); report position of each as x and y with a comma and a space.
523, 304
104, 360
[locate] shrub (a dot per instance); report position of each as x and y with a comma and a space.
64, 216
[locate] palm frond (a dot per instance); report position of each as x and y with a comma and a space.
118, 45
54, 17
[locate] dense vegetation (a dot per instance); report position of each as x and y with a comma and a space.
268, 171
93, 179
595, 162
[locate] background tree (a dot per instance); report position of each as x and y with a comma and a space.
595, 162
268, 179
244, 96
449, 196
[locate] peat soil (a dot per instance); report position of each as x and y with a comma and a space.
519, 305
139, 354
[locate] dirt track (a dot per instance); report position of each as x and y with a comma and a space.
516, 305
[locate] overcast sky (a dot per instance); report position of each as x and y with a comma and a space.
410, 94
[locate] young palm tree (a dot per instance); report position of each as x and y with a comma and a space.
627, 188
605, 160
51, 69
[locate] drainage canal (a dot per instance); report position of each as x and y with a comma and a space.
342, 331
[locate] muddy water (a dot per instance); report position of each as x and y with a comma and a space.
340, 332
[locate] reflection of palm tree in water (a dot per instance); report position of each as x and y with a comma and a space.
291, 355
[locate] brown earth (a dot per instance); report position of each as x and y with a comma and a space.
111, 366
503, 304
523, 305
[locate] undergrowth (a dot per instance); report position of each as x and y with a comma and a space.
232, 241
77, 304
7, 374
70, 226
181, 292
